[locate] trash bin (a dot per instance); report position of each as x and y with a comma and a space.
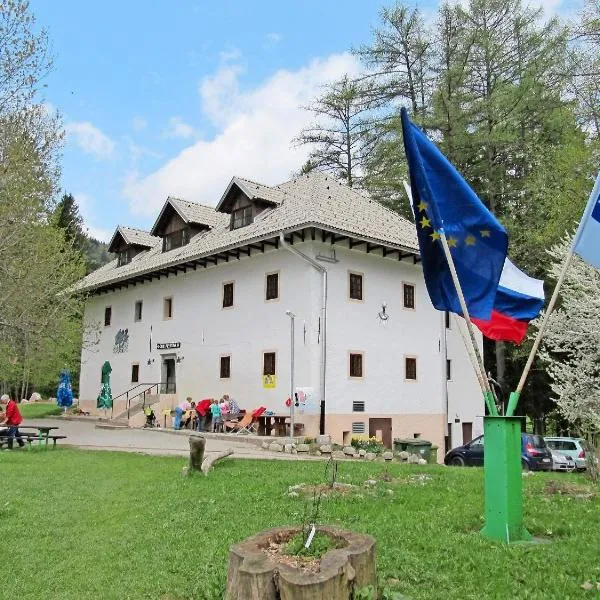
422, 448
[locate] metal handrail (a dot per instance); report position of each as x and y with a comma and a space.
146, 386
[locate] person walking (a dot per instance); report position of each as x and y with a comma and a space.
12, 418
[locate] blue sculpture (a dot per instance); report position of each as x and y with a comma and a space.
64, 394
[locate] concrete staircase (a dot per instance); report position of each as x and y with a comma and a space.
136, 418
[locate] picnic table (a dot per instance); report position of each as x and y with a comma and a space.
43, 434
268, 423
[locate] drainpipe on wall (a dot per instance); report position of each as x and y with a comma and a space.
444, 353
323, 272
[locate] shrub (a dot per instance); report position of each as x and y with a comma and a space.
368, 444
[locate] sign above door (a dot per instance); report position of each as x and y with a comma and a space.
168, 345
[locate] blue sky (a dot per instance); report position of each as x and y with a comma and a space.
174, 98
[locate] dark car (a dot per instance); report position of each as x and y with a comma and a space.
535, 454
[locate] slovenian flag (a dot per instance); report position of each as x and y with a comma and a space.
587, 239
519, 299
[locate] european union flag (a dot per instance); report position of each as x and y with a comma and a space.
587, 238
443, 201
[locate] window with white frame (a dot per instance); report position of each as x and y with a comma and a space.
272, 286
137, 311
355, 283
410, 368
408, 292
227, 295
356, 365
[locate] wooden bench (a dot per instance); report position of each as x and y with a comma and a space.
24, 436
56, 437
30, 438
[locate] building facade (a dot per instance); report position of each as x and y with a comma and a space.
200, 306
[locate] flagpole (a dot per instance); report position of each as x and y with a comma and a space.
472, 358
476, 359
485, 384
514, 396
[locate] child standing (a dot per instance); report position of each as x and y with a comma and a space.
215, 411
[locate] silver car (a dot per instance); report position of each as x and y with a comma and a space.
560, 462
567, 446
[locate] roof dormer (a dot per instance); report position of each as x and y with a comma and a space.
127, 242
179, 221
244, 200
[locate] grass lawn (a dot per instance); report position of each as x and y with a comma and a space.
37, 410
78, 525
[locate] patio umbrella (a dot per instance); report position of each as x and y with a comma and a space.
104, 400
64, 394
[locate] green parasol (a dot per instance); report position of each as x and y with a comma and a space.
104, 400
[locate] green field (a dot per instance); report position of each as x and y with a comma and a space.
38, 410
77, 524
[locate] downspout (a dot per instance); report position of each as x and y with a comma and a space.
323, 272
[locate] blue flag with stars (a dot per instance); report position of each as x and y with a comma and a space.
444, 202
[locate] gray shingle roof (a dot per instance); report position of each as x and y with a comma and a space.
199, 213
135, 237
310, 200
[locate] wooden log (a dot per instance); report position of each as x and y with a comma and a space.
209, 461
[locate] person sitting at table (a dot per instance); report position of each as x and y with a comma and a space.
179, 410
215, 411
203, 414
189, 414
234, 408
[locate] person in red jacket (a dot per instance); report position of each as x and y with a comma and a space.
12, 418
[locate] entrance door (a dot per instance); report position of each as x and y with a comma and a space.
382, 430
467, 431
168, 375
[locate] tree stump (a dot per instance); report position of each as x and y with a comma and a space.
197, 446
254, 575
209, 461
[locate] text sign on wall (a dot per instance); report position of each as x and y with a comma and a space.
168, 345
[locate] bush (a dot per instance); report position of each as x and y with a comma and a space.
368, 444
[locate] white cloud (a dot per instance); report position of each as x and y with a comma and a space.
178, 128
136, 151
273, 38
90, 139
254, 133
230, 54
85, 202
139, 123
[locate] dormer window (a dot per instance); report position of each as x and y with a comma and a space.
128, 242
177, 239
241, 217
124, 257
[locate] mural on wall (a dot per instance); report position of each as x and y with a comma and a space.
121, 341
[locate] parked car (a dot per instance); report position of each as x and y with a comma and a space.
560, 462
569, 446
535, 455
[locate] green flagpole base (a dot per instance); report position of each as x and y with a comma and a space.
512, 403
503, 481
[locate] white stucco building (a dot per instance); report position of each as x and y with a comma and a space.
199, 305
